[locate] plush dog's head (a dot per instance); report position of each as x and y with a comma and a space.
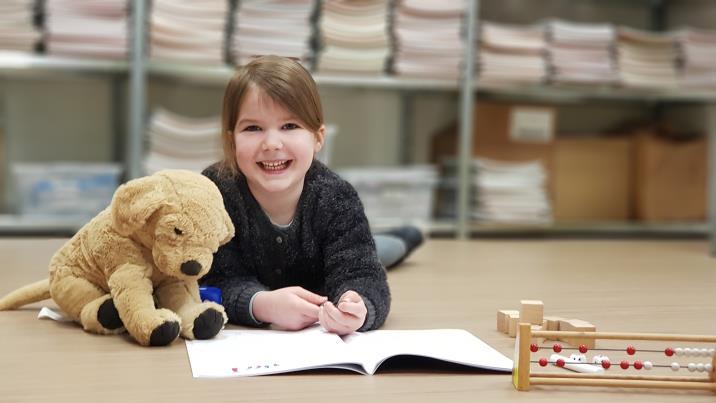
177, 214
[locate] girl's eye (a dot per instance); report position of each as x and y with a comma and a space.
252, 128
178, 231
290, 126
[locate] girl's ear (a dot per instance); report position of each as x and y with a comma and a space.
320, 136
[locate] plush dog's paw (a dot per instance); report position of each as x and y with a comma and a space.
208, 324
164, 333
108, 317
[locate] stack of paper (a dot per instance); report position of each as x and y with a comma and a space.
511, 192
191, 31
272, 27
354, 36
698, 51
179, 142
647, 59
501, 192
512, 53
581, 53
17, 31
96, 29
427, 38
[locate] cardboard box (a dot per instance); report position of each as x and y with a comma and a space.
592, 179
497, 128
670, 178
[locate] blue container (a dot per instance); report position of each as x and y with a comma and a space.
212, 294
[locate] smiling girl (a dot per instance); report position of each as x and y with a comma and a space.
303, 250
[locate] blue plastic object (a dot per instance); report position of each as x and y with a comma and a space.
212, 294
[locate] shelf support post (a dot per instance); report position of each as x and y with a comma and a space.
711, 175
137, 97
467, 99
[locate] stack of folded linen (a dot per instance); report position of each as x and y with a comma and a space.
17, 29
354, 36
647, 59
273, 27
698, 52
581, 53
95, 29
427, 38
191, 31
512, 53
180, 142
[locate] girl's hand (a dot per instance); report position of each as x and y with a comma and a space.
290, 308
345, 318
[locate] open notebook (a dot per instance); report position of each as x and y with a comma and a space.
264, 352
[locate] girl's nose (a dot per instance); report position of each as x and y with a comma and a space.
272, 141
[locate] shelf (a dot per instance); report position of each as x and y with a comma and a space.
11, 224
677, 229
221, 74
576, 93
26, 64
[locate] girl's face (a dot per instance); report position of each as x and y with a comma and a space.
273, 147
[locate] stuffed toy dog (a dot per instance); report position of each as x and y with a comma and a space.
136, 264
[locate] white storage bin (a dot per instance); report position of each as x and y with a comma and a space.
81, 189
395, 195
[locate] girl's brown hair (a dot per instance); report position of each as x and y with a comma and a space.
285, 81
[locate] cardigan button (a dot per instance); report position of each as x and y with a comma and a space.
279, 239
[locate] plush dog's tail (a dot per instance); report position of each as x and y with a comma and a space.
25, 295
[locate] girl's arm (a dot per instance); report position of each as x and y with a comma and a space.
238, 285
351, 262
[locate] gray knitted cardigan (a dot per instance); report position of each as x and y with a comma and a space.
328, 248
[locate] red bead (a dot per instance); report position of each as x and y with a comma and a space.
606, 364
624, 364
543, 362
533, 348
582, 348
669, 351
560, 362
638, 365
557, 348
630, 350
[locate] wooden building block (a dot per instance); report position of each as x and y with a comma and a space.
513, 321
503, 319
531, 312
577, 325
551, 323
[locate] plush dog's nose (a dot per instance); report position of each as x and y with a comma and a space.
191, 268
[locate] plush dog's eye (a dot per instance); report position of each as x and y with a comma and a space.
178, 231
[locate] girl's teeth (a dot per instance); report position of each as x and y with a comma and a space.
274, 166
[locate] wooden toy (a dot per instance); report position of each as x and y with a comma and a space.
523, 378
531, 311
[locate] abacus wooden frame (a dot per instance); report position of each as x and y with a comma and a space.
522, 378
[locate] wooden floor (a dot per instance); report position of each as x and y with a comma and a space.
635, 286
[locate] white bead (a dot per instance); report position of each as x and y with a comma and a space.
675, 366
648, 365
700, 367
687, 351
705, 352
708, 368
691, 367
711, 351
679, 351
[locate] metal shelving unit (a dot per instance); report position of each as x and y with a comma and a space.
140, 70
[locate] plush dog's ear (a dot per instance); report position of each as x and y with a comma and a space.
135, 201
229, 227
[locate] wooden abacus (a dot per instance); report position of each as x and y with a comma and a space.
523, 378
